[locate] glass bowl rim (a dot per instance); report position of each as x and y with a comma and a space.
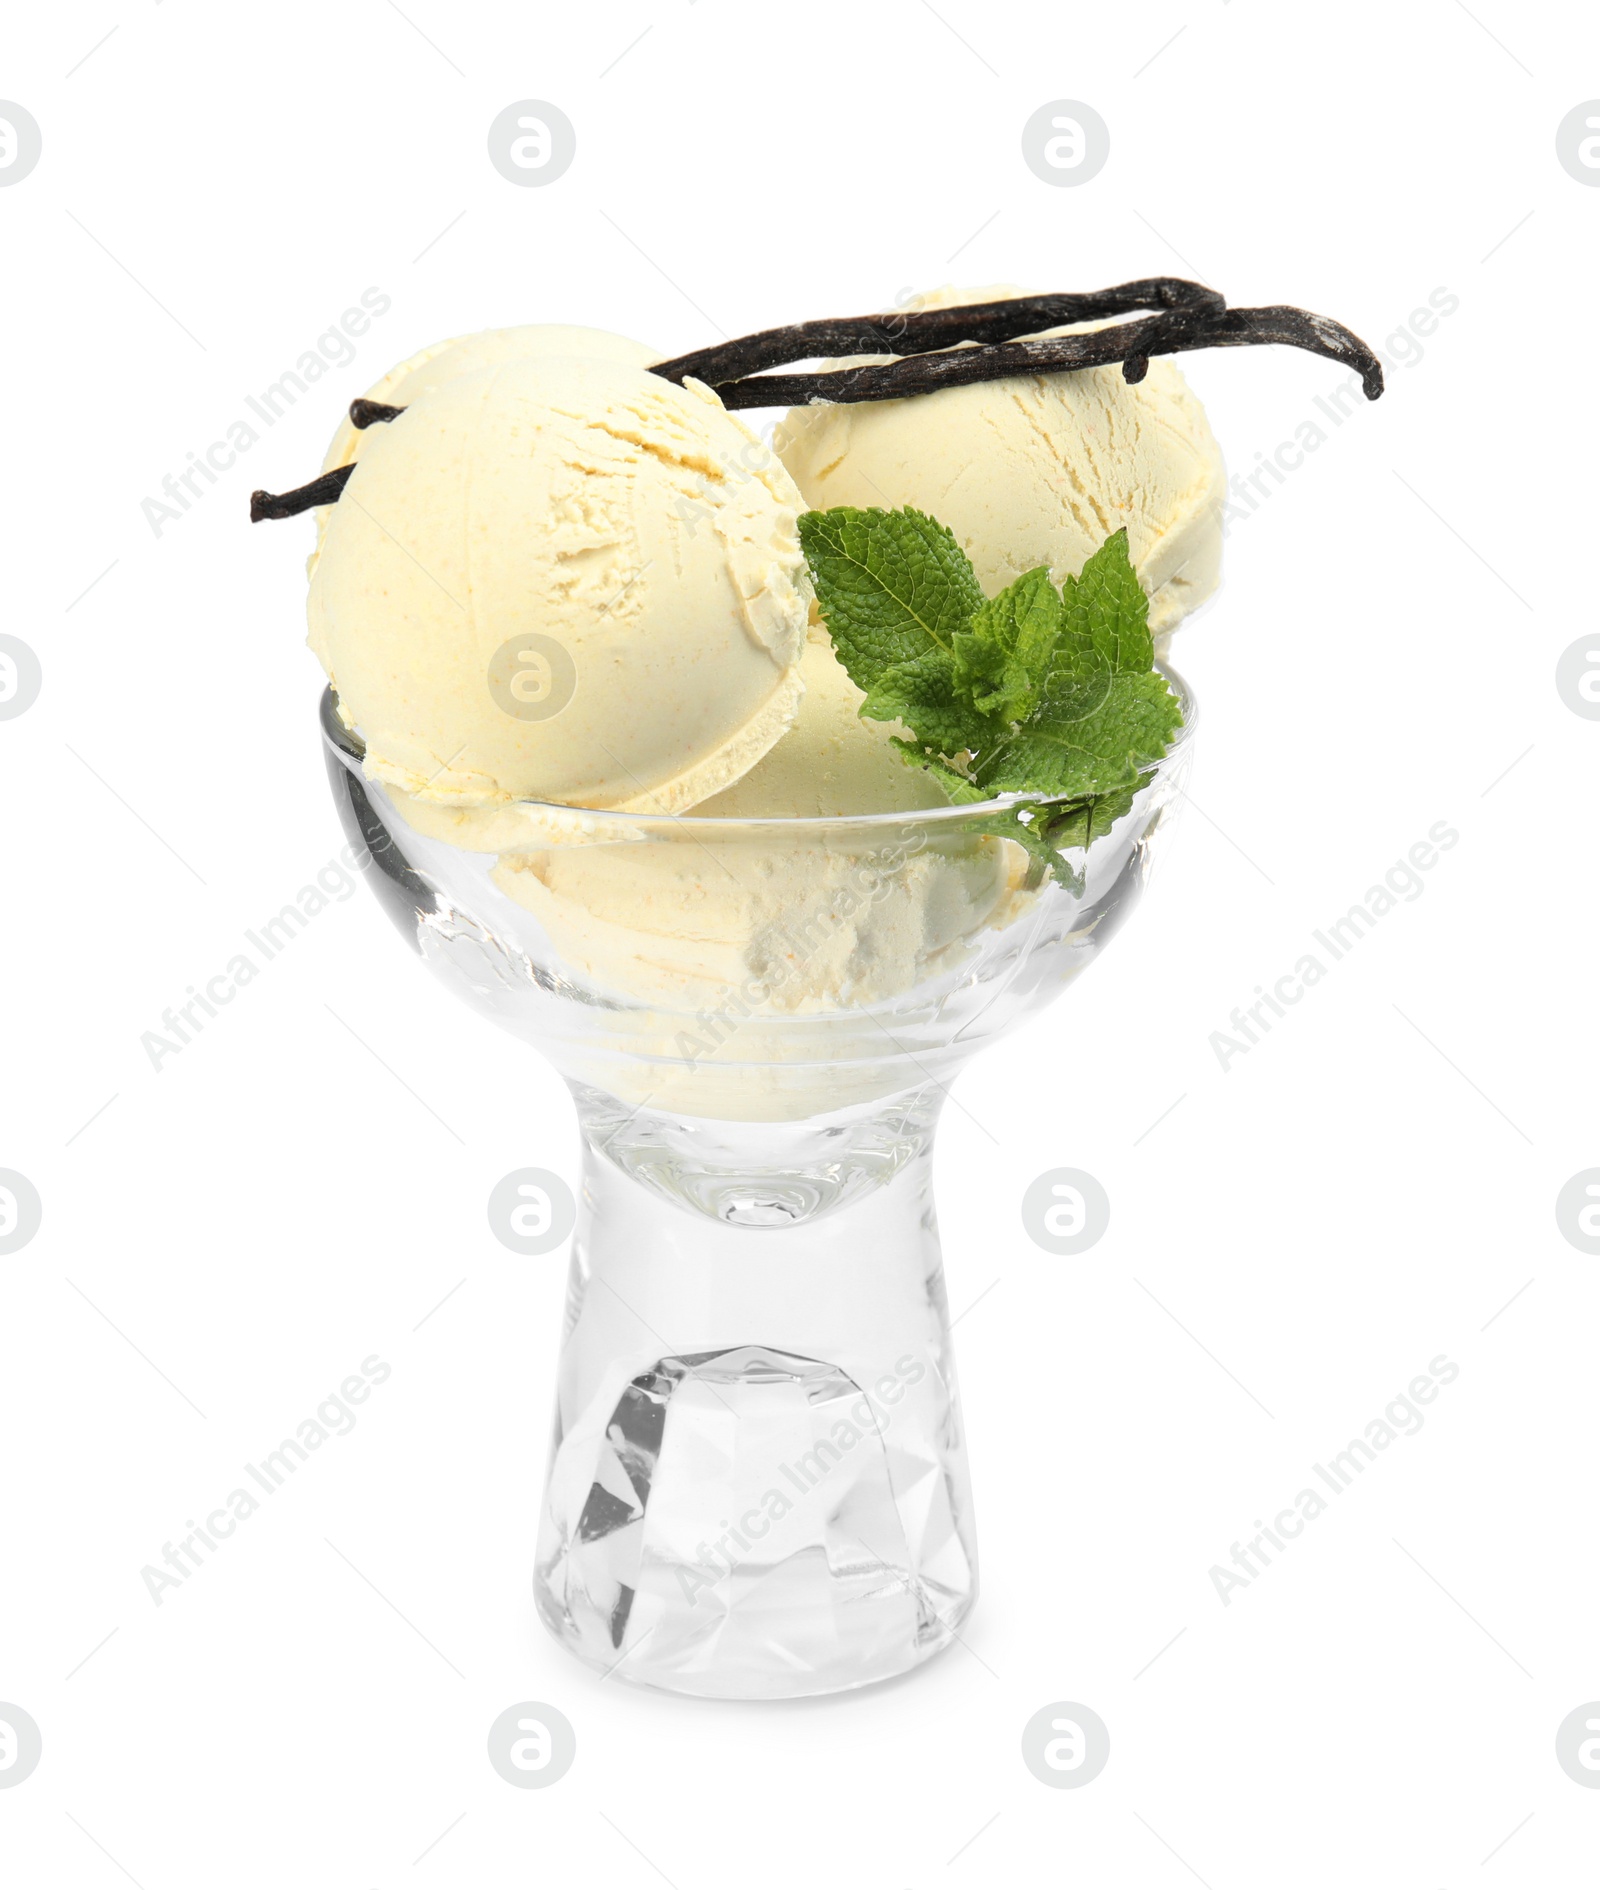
349, 746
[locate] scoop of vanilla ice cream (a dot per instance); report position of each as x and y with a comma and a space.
463, 354
830, 762
563, 580
1035, 469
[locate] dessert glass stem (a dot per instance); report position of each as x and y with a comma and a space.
759, 1487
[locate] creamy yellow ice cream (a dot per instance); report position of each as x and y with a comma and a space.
772, 922
769, 921
831, 761
1035, 469
463, 354
563, 603
777, 921
564, 580
770, 925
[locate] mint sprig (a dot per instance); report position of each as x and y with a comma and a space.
1047, 693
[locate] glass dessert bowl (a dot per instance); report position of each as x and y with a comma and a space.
758, 1485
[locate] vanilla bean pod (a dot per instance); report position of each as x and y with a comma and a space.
1132, 343
901, 334
926, 342
1287, 327
916, 331
914, 374
326, 489
366, 413
321, 491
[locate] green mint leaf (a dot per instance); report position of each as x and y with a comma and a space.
1048, 694
1031, 826
891, 586
1083, 822
1085, 738
1107, 611
1004, 657
927, 697
960, 787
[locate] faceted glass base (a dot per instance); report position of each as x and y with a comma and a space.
781, 1506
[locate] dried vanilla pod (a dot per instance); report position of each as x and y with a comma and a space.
366, 413
321, 491
916, 331
928, 354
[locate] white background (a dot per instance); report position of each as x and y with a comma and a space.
1298, 1237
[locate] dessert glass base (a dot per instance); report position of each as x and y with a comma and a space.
758, 1487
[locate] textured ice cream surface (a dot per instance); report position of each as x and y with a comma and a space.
635, 531
1035, 469
769, 923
